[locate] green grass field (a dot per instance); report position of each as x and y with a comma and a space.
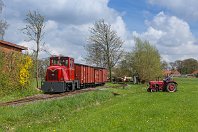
133, 110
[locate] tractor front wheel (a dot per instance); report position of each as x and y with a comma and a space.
171, 87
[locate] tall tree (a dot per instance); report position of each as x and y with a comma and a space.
34, 31
104, 47
146, 60
3, 23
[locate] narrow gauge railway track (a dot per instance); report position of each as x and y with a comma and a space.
44, 97
53, 96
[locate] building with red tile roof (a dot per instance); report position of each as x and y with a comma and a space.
8, 47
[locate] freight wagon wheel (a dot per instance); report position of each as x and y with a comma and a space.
171, 87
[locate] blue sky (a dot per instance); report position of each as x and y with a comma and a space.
134, 13
170, 26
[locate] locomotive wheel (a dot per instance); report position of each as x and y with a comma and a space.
171, 87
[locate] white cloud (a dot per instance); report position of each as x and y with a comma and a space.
51, 25
171, 35
119, 26
67, 23
184, 8
65, 11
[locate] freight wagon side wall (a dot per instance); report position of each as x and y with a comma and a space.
84, 73
104, 75
96, 75
90, 75
78, 73
100, 76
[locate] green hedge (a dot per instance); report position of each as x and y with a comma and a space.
11, 78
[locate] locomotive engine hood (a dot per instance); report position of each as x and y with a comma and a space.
56, 73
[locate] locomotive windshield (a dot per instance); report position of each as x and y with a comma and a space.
64, 61
54, 61
61, 61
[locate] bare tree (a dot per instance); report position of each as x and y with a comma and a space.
104, 47
1, 6
43, 64
34, 31
3, 23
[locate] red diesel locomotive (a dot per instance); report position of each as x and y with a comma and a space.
64, 75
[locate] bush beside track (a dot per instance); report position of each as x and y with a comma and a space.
16, 76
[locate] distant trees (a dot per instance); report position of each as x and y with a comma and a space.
34, 31
104, 47
186, 66
3, 23
189, 65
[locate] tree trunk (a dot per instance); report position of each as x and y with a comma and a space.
35, 25
37, 68
110, 74
37, 77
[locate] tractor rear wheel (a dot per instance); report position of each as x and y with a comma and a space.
171, 87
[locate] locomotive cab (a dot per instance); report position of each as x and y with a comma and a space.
60, 69
60, 75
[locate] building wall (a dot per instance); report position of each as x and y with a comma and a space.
7, 48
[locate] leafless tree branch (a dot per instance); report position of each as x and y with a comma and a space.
104, 47
34, 31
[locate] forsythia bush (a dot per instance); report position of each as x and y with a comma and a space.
16, 72
25, 71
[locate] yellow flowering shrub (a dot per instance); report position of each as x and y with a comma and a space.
16, 73
25, 71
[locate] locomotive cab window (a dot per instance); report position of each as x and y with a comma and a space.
64, 61
71, 63
54, 61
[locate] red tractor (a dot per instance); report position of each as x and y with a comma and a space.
167, 84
